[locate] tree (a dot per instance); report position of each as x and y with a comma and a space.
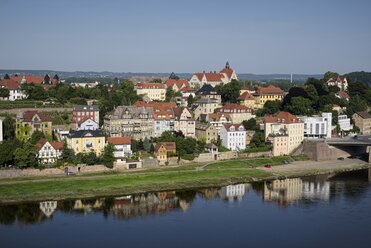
8, 128
173, 76
312, 92
156, 81
67, 153
229, 92
35, 92
271, 107
299, 106
108, 157
7, 149
78, 100
36, 136
4, 92
294, 92
333, 89
258, 139
170, 93
356, 104
250, 124
146, 144
318, 84
329, 74
25, 156
190, 100
90, 158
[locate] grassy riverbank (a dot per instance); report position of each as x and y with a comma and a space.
173, 178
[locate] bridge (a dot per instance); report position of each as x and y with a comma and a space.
356, 145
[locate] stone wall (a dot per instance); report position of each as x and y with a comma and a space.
319, 150
228, 155
255, 154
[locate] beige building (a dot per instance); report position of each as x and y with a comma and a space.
205, 106
155, 91
269, 93
207, 132
285, 131
363, 121
130, 121
283, 191
184, 121
237, 112
339, 81
163, 149
246, 99
218, 120
30, 121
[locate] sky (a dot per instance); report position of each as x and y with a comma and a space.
255, 36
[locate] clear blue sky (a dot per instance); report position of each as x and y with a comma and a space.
277, 36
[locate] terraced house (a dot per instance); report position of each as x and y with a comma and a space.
130, 121
30, 121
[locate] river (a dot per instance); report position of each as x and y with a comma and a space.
318, 211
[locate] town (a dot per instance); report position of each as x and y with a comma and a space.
143, 123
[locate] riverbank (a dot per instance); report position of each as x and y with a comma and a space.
173, 178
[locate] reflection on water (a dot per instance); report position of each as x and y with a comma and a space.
282, 192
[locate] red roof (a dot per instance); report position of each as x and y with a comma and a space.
163, 113
217, 116
342, 94
170, 146
282, 117
55, 145
28, 115
246, 96
227, 71
119, 140
150, 86
269, 90
213, 77
199, 76
155, 104
229, 125
181, 83
235, 108
9, 84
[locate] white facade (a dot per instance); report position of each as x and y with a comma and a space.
48, 207
122, 151
317, 126
154, 91
48, 154
15, 95
344, 123
233, 136
161, 126
88, 124
232, 192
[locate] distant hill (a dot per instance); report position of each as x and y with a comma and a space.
107, 74
362, 76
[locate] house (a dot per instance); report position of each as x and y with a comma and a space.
233, 136
86, 141
205, 106
269, 93
49, 152
30, 121
184, 121
44, 81
121, 148
339, 81
246, 99
208, 132
344, 123
342, 95
87, 124
14, 88
162, 150
226, 75
218, 120
247, 88
285, 131
82, 112
177, 85
130, 121
237, 112
363, 121
155, 91
209, 92
317, 126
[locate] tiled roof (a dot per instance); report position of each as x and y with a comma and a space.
179, 110
179, 83
342, 94
86, 108
55, 145
217, 116
248, 87
364, 114
214, 77
150, 86
269, 90
227, 71
28, 115
236, 126
9, 84
235, 108
168, 145
155, 104
83, 119
246, 96
207, 89
86, 133
119, 140
282, 117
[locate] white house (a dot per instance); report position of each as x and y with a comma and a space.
49, 152
317, 126
339, 81
87, 124
14, 87
122, 148
232, 192
344, 123
233, 136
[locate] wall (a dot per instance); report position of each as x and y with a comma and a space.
319, 150
255, 154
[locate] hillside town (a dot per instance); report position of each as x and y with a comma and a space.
46, 122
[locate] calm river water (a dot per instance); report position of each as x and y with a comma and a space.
320, 211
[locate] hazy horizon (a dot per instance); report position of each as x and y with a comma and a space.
257, 37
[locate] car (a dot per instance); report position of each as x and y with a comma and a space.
341, 158
268, 166
70, 173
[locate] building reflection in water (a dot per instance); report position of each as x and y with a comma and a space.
233, 192
48, 207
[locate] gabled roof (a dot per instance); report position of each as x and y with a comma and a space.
155, 104
269, 90
119, 140
207, 89
84, 119
179, 83
167, 145
282, 117
55, 145
179, 110
28, 115
85, 108
230, 126
235, 108
246, 96
364, 115
213, 77
248, 87
217, 116
342, 94
9, 84
228, 71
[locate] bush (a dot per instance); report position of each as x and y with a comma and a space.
187, 156
257, 149
223, 149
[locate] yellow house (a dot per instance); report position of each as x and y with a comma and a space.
86, 141
247, 100
269, 93
162, 149
30, 121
